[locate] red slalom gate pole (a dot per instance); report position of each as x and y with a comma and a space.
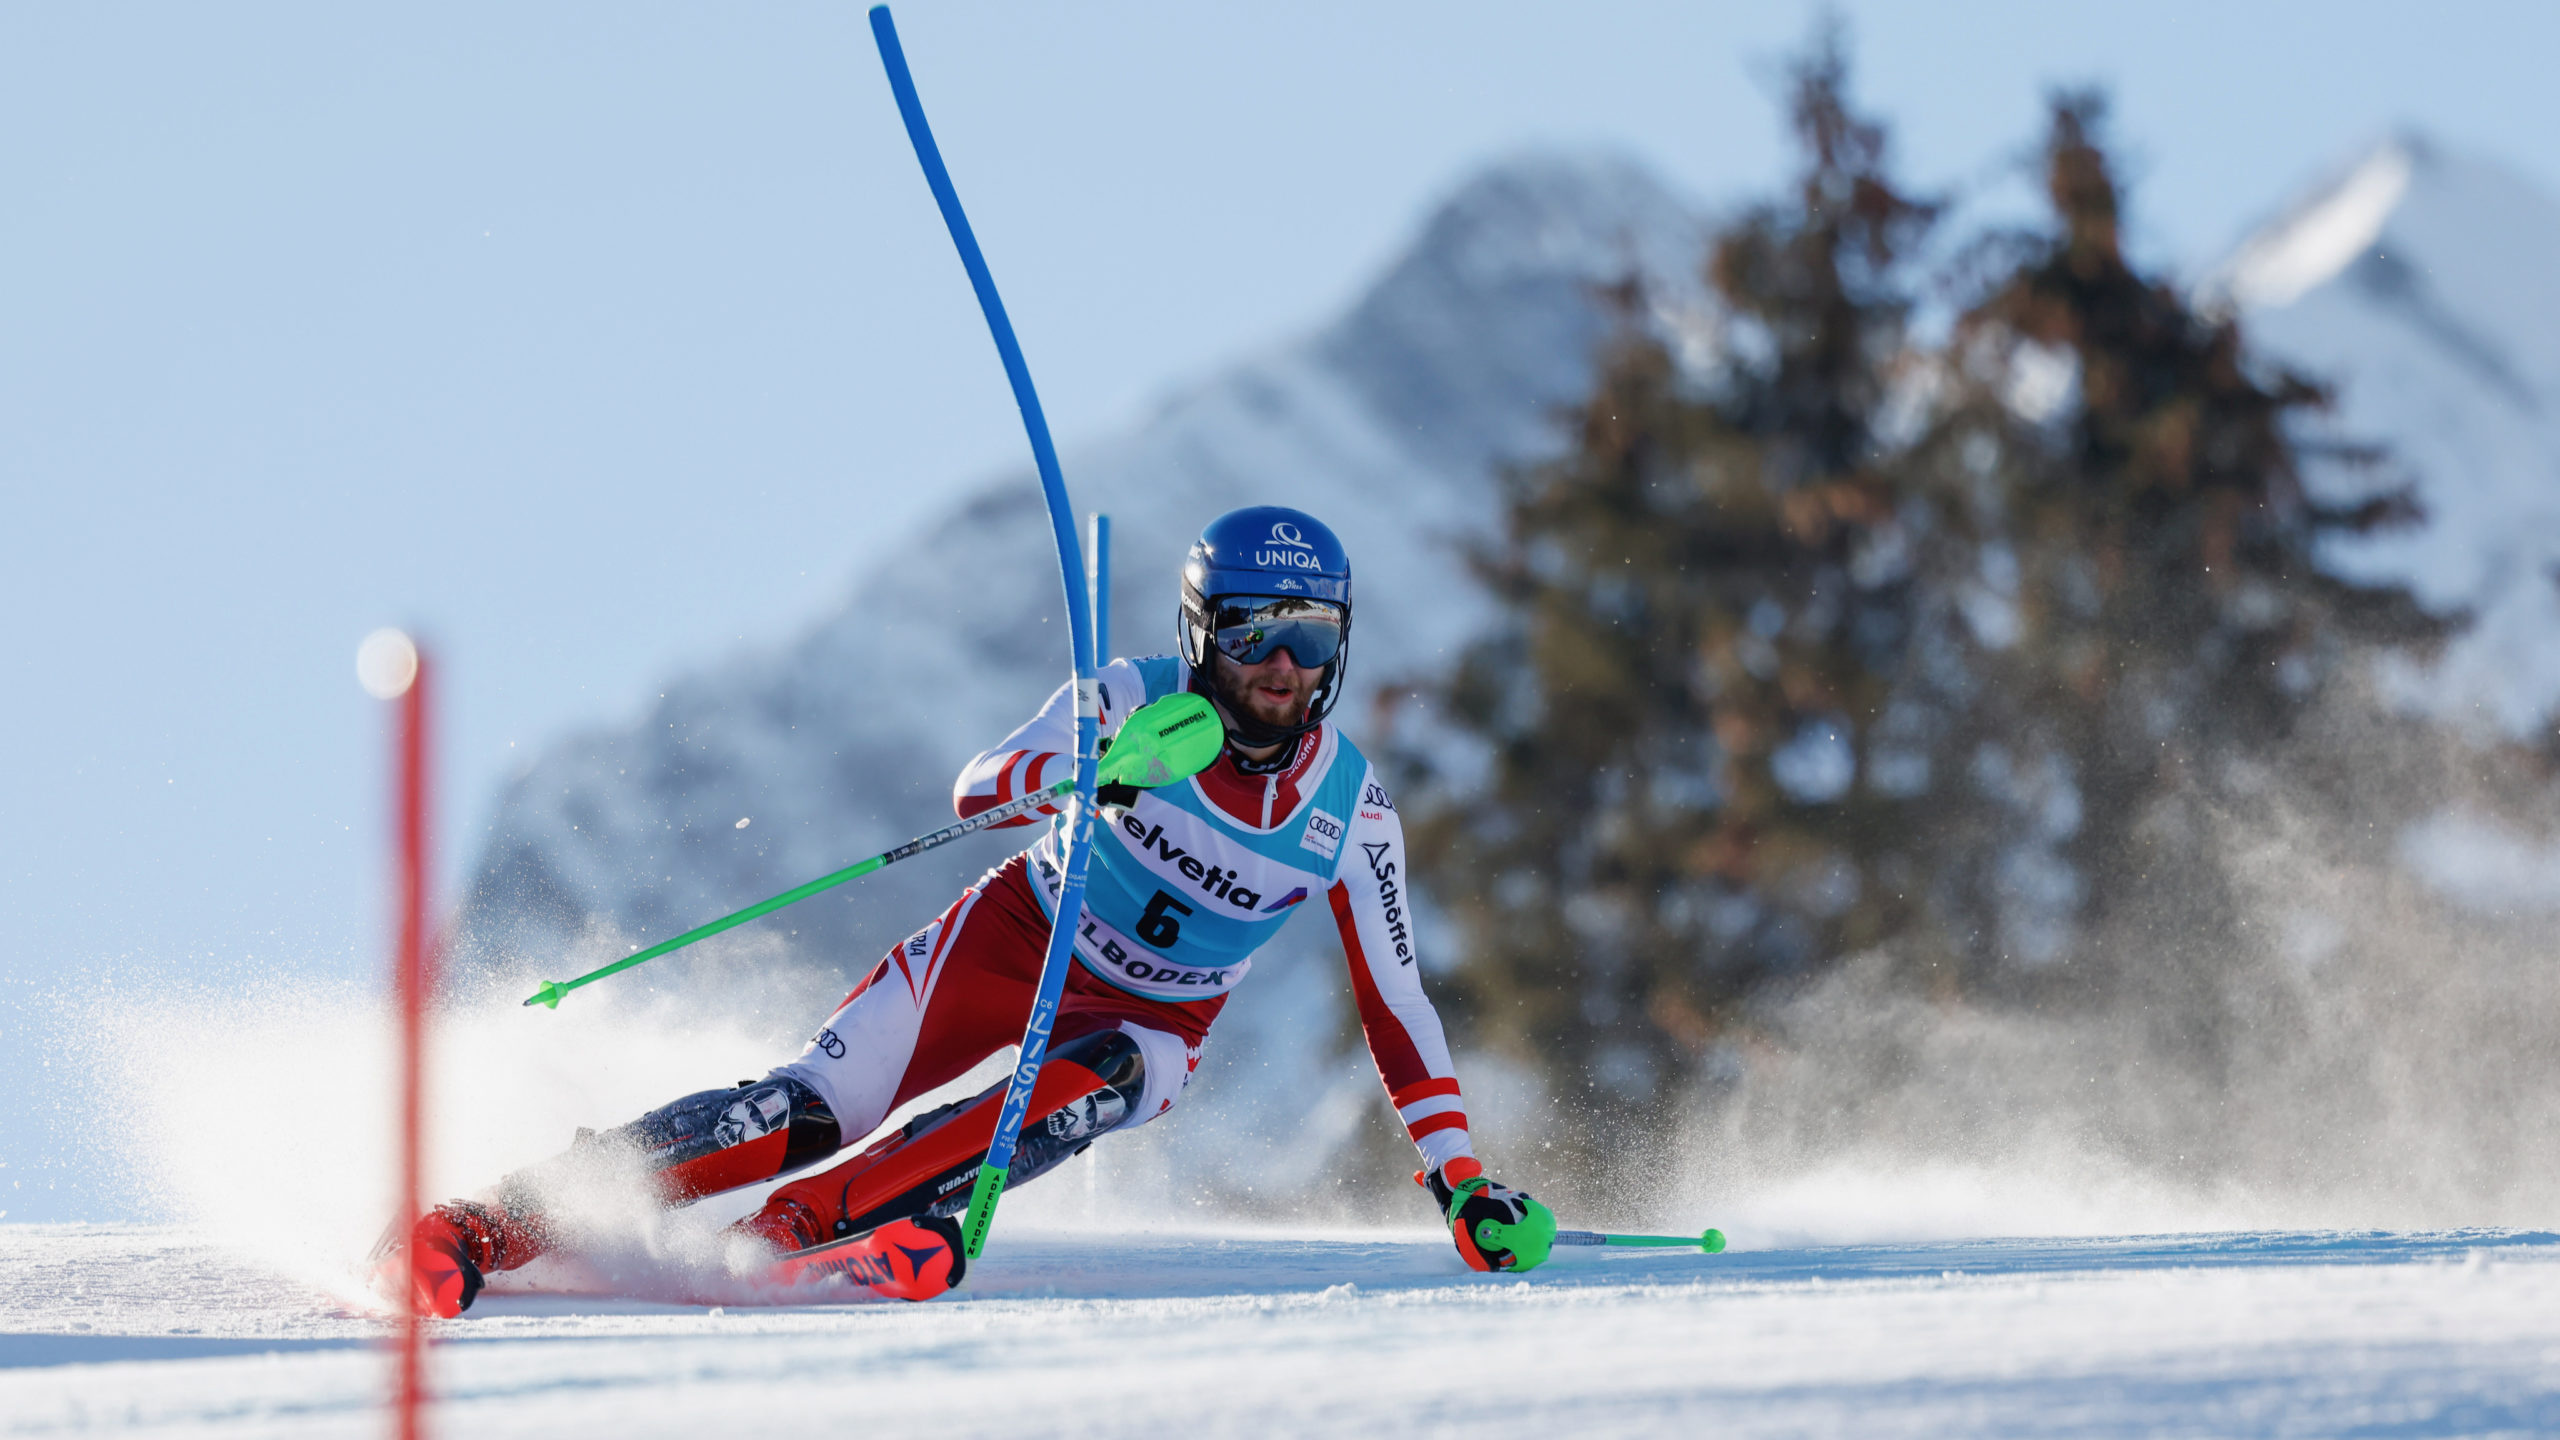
413, 982
393, 668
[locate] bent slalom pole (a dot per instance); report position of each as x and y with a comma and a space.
1172, 739
1062, 524
1711, 1242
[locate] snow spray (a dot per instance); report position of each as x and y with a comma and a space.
2356, 1047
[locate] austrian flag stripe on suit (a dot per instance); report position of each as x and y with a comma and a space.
1429, 1106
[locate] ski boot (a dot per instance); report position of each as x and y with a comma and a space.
457, 1245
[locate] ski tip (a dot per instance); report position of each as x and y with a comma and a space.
548, 997
1712, 1242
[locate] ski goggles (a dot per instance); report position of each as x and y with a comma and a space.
1252, 629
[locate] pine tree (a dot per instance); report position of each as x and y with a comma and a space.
1855, 645
2148, 564
1712, 597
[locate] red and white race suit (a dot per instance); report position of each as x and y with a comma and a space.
1185, 884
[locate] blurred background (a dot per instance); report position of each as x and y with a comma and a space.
1961, 597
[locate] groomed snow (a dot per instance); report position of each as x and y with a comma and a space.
145, 1331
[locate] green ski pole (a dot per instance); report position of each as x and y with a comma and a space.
551, 991
1711, 1242
1172, 739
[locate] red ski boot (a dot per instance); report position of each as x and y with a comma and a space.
912, 1259
458, 1244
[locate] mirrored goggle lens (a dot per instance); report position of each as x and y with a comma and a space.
1310, 630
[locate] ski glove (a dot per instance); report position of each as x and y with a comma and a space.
1495, 1226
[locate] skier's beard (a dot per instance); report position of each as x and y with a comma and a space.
1245, 692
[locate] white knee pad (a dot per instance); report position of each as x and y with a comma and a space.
1170, 1062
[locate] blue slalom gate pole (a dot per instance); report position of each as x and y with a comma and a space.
1100, 564
1080, 632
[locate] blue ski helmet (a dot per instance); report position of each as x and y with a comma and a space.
1263, 579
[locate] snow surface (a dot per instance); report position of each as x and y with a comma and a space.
128, 1330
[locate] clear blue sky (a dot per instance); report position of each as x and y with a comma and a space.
594, 341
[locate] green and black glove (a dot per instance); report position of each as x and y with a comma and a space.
1495, 1226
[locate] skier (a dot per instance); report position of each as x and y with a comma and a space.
1186, 883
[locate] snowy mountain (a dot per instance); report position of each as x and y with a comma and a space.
1390, 422
2424, 284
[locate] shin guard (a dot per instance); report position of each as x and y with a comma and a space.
715, 1140
1088, 1086
707, 1142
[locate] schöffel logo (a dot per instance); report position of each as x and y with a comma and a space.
1390, 899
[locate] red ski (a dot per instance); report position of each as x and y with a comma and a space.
912, 1259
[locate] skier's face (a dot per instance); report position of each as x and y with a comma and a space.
1275, 692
